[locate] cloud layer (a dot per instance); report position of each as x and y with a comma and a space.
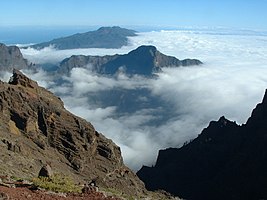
231, 82
54, 56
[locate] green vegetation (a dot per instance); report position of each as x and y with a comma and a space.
57, 183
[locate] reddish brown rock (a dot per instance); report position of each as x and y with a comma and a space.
4, 196
36, 129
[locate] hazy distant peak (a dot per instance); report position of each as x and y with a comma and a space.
104, 37
108, 29
145, 49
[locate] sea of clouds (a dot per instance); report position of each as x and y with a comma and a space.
231, 82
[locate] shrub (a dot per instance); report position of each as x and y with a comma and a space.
57, 183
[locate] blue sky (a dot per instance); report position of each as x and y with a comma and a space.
248, 14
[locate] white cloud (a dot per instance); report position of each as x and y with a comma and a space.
42, 77
231, 82
5, 76
51, 55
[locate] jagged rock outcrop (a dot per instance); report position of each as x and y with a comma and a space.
45, 171
11, 57
104, 37
226, 161
144, 60
35, 129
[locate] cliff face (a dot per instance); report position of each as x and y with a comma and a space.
36, 129
144, 60
225, 161
11, 57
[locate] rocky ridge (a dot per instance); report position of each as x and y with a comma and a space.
11, 57
145, 60
226, 161
35, 129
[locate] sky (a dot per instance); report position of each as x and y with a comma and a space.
241, 14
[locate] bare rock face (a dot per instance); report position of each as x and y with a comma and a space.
11, 57
36, 129
45, 171
226, 161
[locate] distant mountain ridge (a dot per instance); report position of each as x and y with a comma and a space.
226, 161
144, 60
104, 37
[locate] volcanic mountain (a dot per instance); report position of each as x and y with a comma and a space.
11, 57
104, 37
35, 129
226, 161
144, 60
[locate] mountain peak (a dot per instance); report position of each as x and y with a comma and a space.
104, 37
11, 57
259, 114
116, 29
264, 100
144, 50
223, 122
144, 60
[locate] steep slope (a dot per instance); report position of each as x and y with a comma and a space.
104, 37
225, 161
35, 129
11, 57
144, 60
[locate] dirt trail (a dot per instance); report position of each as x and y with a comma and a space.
24, 193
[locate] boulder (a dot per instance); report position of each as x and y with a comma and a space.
45, 171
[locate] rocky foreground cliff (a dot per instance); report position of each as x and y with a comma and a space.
226, 161
35, 129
